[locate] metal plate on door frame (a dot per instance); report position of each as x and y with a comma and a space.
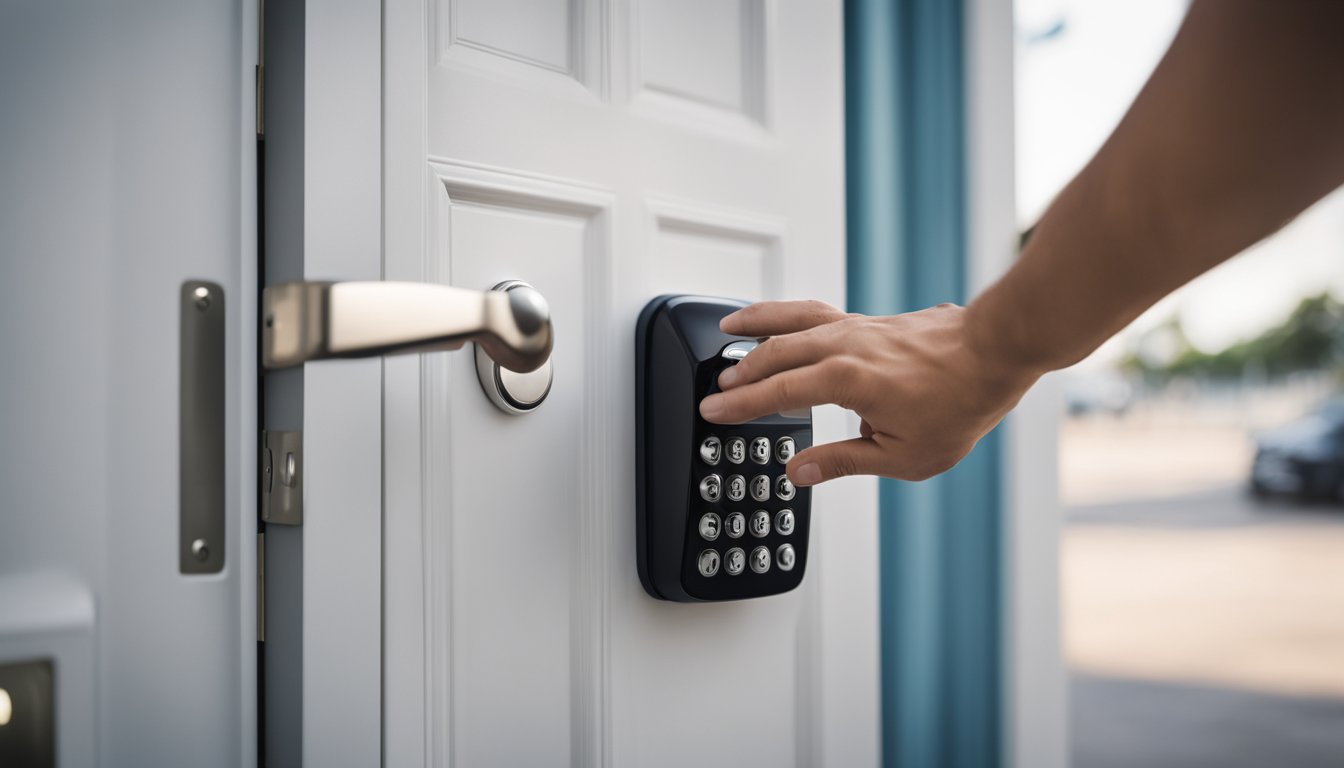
201, 428
282, 477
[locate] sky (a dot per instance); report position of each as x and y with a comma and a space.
1079, 64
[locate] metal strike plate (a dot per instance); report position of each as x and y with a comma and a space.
201, 461
282, 477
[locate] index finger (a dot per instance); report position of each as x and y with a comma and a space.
796, 388
775, 318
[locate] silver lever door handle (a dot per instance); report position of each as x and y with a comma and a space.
312, 321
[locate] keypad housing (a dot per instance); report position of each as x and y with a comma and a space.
679, 355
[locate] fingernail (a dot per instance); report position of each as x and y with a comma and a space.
728, 376
711, 406
808, 474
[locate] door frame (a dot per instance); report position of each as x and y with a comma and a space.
972, 669
1034, 698
407, 526
322, 654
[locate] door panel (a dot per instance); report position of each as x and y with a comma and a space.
605, 152
704, 51
518, 505
323, 208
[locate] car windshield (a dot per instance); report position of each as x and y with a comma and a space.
1332, 411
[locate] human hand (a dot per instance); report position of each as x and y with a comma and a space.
925, 385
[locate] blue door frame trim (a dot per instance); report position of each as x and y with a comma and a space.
939, 540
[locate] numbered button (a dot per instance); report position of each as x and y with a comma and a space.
736, 448
785, 557
709, 562
737, 487
760, 488
734, 561
711, 488
760, 450
783, 522
784, 449
760, 559
760, 523
711, 450
710, 526
735, 525
784, 488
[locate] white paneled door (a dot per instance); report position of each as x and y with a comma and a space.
606, 152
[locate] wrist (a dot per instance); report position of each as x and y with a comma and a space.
996, 339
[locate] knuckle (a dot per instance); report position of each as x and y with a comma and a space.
819, 308
849, 367
764, 352
844, 377
843, 465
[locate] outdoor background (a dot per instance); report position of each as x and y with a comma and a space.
1203, 624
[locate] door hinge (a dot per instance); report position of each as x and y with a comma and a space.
261, 586
261, 99
282, 477
260, 72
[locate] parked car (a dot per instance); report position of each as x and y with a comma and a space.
1303, 458
1103, 393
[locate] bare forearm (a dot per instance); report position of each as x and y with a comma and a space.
1240, 128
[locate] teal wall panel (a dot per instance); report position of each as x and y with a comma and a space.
940, 539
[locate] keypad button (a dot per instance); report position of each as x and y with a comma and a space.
760, 488
760, 450
760, 523
711, 450
785, 557
711, 488
709, 562
735, 525
783, 522
784, 449
710, 526
760, 559
783, 488
737, 487
736, 450
734, 561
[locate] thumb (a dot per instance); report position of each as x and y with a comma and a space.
856, 456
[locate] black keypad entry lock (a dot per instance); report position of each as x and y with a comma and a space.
717, 516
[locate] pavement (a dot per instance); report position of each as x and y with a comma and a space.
1121, 723
1204, 628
